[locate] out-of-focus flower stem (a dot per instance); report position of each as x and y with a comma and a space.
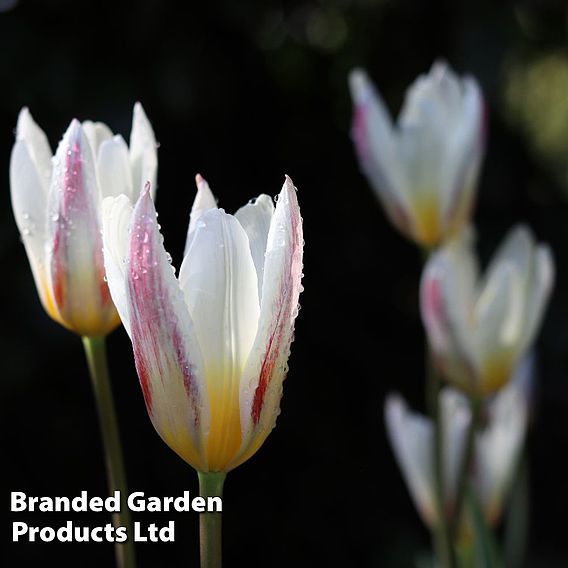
443, 540
95, 350
517, 516
210, 543
476, 405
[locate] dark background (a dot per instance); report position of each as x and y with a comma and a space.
244, 92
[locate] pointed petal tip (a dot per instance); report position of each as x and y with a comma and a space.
147, 190
393, 400
288, 182
358, 83
289, 191
25, 119
440, 65
139, 109
73, 130
24, 114
199, 180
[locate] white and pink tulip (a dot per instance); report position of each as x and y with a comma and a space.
424, 167
210, 346
57, 205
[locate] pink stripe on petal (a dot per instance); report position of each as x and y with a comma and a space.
156, 310
76, 259
283, 303
359, 132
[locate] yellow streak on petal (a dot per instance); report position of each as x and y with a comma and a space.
224, 438
182, 444
253, 446
48, 301
428, 231
496, 372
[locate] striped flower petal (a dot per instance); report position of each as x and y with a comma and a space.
261, 385
375, 144
166, 352
75, 261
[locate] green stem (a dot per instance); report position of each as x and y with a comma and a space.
518, 515
443, 541
95, 351
476, 405
210, 485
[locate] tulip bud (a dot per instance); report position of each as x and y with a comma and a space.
497, 447
57, 201
480, 330
424, 168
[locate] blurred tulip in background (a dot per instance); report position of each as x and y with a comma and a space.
424, 167
479, 329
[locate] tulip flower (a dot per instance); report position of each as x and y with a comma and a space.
479, 330
423, 169
57, 202
211, 346
496, 449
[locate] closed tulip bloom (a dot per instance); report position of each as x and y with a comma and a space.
57, 205
210, 347
479, 329
424, 168
496, 453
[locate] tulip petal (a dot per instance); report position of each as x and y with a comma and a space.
167, 356
143, 152
517, 249
541, 278
29, 206
465, 149
75, 255
456, 418
38, 147
219, 281
411, 437
204, 200
261, 386
498, 447
375, 143
422, 144
96, 133
113, 165
447, 293
255, 217
499, 313
116, 217
498, 320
